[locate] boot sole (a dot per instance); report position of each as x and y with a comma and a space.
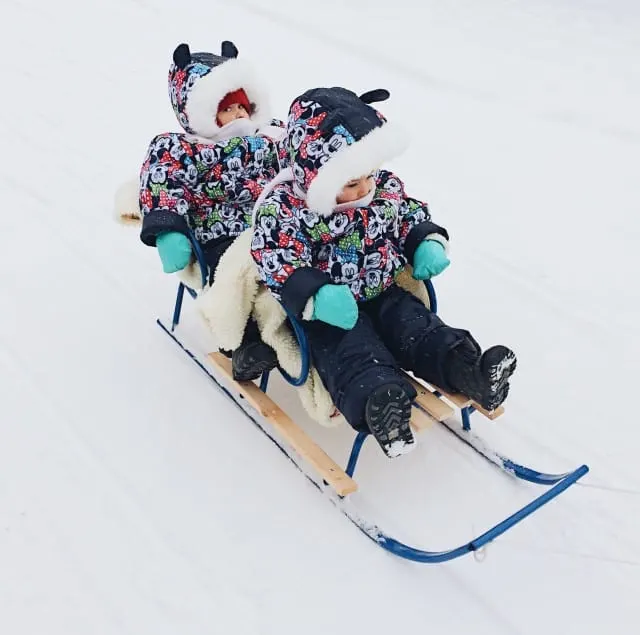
388, 413
499, 372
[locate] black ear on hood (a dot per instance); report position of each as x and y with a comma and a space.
372, 96
229, 49
182, 56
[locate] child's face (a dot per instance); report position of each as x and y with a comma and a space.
355, 189
232, 112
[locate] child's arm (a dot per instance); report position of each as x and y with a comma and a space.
165, 199
414, 218
282, 251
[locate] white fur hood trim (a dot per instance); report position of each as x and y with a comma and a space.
358, 159
207, 92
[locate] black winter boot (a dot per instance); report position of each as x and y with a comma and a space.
253, 357
387, 413
483, 378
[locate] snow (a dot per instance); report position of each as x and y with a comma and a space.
135, 498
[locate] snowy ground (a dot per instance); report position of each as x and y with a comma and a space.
135, 499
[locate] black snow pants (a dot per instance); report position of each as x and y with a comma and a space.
394, 331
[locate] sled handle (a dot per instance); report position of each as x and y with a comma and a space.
431, 292
303, 346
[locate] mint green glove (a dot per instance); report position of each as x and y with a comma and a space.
429, 260
335, 304
175, 251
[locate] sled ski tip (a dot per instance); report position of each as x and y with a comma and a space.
293, 434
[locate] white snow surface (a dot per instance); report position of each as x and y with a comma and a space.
135, 498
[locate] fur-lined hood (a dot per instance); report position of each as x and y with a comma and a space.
334, 135
198, 82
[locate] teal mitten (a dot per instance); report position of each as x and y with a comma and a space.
335, 304
429, 260
175, 251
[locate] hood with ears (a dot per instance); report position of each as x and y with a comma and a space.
198, 82
333, 136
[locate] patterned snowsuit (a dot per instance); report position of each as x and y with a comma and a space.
206, 180
208, 189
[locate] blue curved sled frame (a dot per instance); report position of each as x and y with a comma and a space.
557, 483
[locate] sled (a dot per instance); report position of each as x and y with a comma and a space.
431, 406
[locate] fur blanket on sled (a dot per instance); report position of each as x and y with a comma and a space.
237, 294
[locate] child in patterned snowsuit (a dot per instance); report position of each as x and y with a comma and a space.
330, 236
204, 182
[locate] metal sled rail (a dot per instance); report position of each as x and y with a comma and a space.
560, 482
418, 555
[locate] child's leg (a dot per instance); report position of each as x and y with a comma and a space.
447, 357
364, 381
416, 337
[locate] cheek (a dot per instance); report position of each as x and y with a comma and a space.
365, 187
347, 195
223, 118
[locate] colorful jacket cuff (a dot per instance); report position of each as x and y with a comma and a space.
418, 234
160, 221
301, 285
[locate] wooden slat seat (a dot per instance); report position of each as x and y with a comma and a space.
426, 398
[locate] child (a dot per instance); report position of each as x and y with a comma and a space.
205, 181
330, 236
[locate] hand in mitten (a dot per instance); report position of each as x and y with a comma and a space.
430, 259
335, 305
175, 251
